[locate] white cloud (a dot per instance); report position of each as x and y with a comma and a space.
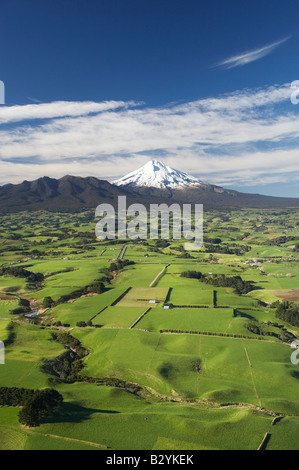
251, 56
58, 109
243, 137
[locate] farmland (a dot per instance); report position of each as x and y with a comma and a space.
170, 361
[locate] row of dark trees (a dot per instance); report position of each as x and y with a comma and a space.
120, 264
34, 280
96, 287
23, 307
206, 333
69, 364
19, 271
192, 274
36, 404
289, 313
280, 240
220, 280
226, 249
236, 282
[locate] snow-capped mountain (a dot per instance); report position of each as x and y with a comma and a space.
156, 174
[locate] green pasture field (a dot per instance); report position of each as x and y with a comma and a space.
140, 275
199, 391
82, 309
119, 317
65, 283
196, 366
6, 306
191, 292
141, 296
195, 319
3, 330
204, 268
12, 284
23, 357
113, 418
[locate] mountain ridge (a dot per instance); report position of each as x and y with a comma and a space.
155, 174
76, 193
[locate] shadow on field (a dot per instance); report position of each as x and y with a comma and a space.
239, 313
254, 285
295, 374
72, 413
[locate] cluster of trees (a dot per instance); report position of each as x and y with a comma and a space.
19, 271
36, 404
225, 249
220, 280
13, 396
213, 241
120, 264
280, 240
69, 364
289, 313
83, 324
96, 287
34, 279
24, 307
192, 274
255, 327
161, 243
236, 282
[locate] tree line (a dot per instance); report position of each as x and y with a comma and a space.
36, 404
120, 264
288, 312
33, 280
19, 271
221, 280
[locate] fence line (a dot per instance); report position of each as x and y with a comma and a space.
158, 276
138, 319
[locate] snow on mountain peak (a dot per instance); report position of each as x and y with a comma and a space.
156, 174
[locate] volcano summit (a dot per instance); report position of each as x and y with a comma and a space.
155, 174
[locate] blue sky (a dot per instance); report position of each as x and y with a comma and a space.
99, 87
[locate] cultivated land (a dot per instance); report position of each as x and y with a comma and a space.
169, 362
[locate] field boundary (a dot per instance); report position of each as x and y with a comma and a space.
152, 284
122, 252
218, 335
139, 318
120, 297
92, 318
264, 442
252, 377
79, 441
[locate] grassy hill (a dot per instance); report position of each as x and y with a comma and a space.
210, 372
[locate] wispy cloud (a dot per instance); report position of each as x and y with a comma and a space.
251, 56
57, 109
243, 138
